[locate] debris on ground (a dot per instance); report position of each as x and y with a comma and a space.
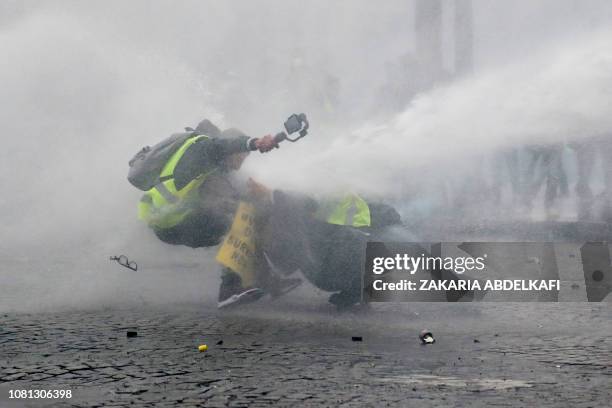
202, 347
125, 262
220, 342
130, 334
426, 337
357, 338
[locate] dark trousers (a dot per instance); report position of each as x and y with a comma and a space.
196, 231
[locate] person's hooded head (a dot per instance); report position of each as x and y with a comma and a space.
206, 127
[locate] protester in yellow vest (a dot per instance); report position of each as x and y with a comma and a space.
325, 238
194, 201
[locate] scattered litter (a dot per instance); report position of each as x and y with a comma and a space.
132, 334
426, 337
357, 338
202, 347
476, 341
220, 342
124, 261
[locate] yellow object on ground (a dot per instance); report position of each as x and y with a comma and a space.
203, 347
238, 250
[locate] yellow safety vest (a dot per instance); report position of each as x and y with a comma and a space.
164, 206
351, 210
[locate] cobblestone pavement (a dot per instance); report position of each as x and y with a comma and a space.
276, 354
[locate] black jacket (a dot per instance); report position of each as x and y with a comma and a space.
207, 154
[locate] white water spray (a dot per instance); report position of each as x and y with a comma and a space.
565, 95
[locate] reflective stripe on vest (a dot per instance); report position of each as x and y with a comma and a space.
164, 206
352, 210
163, 190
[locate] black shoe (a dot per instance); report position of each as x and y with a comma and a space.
231, 292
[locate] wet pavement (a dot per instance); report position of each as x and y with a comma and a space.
285, 354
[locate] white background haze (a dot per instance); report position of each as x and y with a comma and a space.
87, 84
